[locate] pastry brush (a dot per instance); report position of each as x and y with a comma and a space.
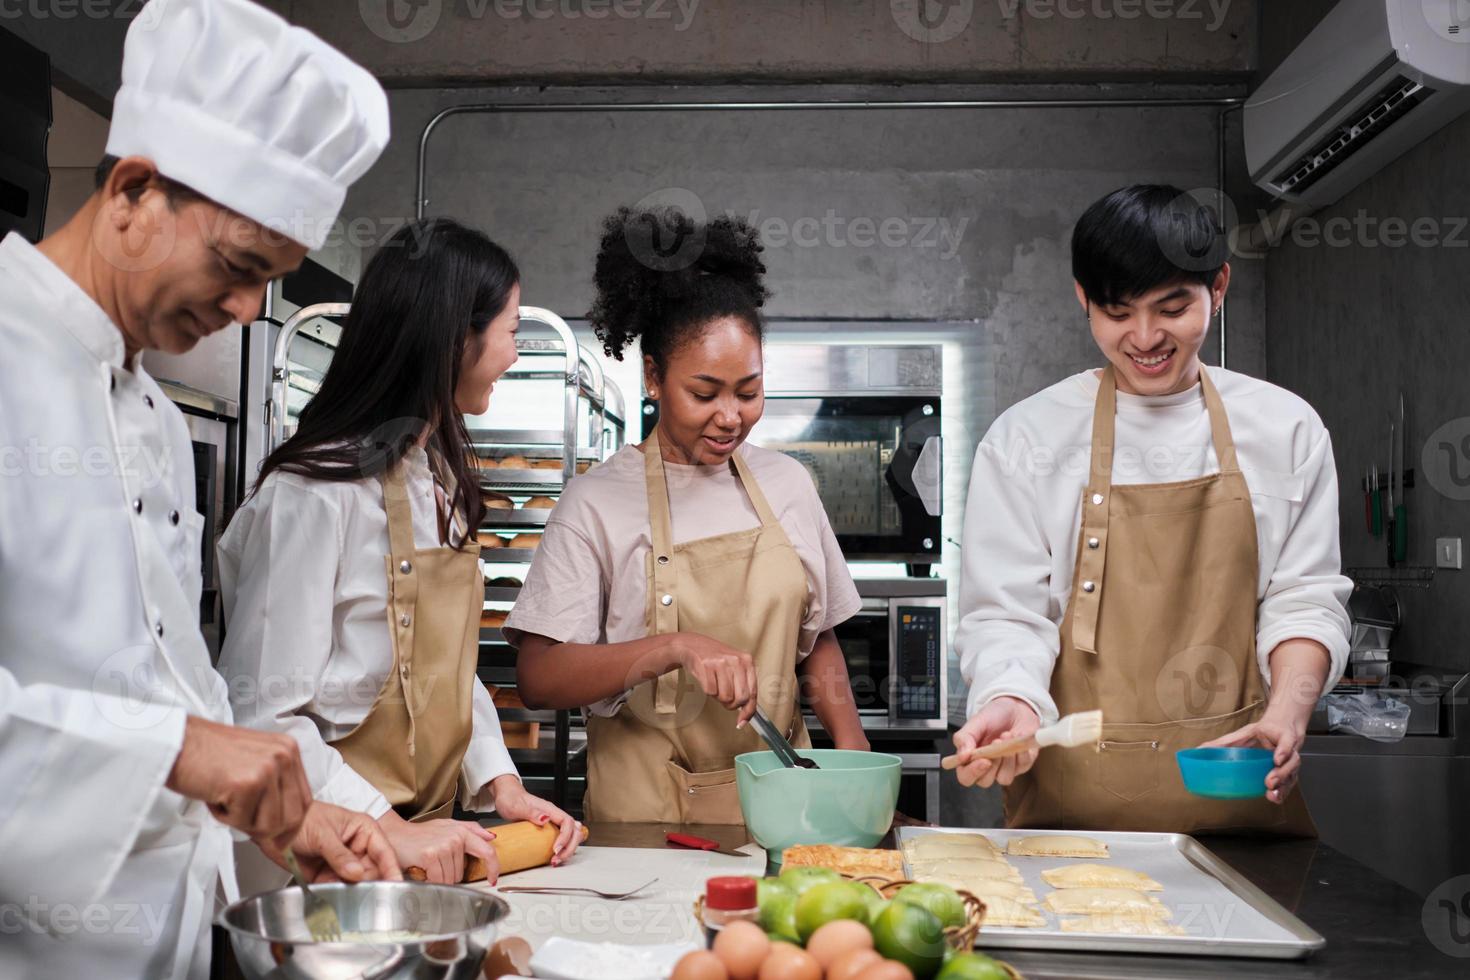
1083, 728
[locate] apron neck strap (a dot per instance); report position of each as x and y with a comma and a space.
659, 515
400, 513
1104, 416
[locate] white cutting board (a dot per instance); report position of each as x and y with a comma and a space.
661, 913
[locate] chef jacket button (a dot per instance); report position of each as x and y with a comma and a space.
112, 382
148, 400
667, 600
405, 567
404, 620
1097, 498
1089, 587
403, 670
158, 628
173, 518
1093, 543
137, 505
663, 559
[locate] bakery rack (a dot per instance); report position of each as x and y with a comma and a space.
593, 426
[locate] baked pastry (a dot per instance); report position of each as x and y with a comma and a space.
854, 862
1008, 914
539, 503
491, 541
514, 462
492, 619
965, 868
1099, 876
1105, 901
1123, 925
545, 464
525, 541
486, 463
496, 501
987, 888
1057, 845
935, 845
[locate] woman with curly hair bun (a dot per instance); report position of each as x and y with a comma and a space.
690, 579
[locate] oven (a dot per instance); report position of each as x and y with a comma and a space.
895, 649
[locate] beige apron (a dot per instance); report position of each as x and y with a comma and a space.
1159, 632
412, 742
667, 755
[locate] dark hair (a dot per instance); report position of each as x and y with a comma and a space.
663, 299
425, 296
1140, 238
173, 191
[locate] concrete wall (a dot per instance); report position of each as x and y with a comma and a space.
622, 41
1352, 326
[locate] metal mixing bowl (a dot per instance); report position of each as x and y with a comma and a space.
451, 929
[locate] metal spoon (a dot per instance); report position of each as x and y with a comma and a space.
778, 743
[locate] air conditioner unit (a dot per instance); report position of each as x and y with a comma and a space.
1373, 80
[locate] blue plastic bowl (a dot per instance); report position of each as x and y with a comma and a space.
1225, 774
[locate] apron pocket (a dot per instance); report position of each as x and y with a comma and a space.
1129, 770
705, 797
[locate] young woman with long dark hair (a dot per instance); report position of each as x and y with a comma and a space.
351, 576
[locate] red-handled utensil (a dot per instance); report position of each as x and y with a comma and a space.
699, 844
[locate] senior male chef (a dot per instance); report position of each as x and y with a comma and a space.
234, 138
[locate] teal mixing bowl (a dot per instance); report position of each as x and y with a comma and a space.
1225, 774
848, 801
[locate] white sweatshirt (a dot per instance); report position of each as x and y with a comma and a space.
1025, 509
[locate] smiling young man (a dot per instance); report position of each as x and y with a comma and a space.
1155, 539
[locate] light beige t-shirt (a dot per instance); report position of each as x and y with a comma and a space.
588, 583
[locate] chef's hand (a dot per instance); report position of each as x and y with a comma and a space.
440, 846
1277, 731
513, 803
340, 845
1004, 718
725, 673
252, 781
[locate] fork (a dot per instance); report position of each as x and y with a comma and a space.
564, 889
321, 917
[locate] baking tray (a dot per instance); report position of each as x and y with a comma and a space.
1222, 913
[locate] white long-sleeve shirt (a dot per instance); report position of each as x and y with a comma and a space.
1024, 512
105, 871
307, 645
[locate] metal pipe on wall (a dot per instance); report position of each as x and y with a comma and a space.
421, 198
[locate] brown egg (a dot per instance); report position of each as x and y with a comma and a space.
788, 962
509, 957
836, 938
852, 963
699, 965
742, 947
886, 970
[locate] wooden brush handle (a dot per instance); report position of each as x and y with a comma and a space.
995, 750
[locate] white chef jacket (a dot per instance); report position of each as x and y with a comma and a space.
105, 871
307, 645
1024, 513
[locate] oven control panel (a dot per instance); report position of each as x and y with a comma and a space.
918, 669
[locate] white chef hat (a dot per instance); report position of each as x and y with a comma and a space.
264, 118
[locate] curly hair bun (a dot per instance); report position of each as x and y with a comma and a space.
661, 277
